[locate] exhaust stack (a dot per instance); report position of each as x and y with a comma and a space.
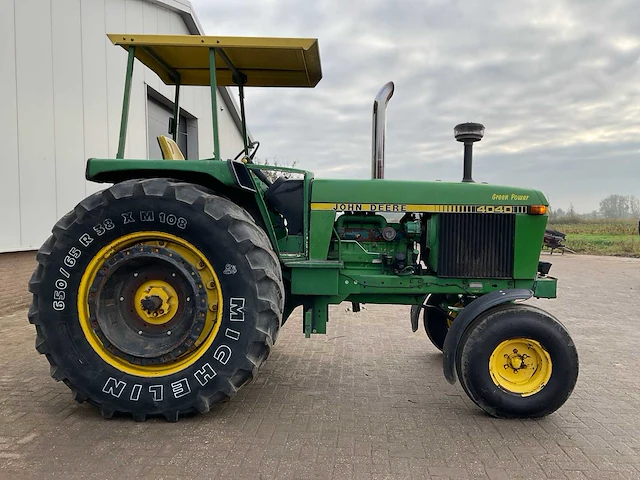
468, 133
379, 128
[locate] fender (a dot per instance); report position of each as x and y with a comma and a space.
204, 172
415, 314
468, 315
229, 179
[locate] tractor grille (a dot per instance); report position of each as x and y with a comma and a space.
476, 245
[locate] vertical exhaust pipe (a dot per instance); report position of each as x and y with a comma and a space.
379, 128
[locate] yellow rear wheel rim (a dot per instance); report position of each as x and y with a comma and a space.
521, 366
208, 276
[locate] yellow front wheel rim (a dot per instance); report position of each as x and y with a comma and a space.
521, 366
196, 259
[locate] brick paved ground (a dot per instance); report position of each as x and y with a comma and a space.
367, 401
15, 271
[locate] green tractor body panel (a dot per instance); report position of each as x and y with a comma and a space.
413, 192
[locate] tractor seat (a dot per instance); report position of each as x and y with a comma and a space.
170, 149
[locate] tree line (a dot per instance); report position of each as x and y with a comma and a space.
613, 207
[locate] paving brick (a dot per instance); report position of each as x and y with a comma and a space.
448, 472
15, 271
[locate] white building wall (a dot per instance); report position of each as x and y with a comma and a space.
62, 82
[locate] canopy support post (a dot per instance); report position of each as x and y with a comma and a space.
176, 114
214, 102
239, 79
244, 121
125, 103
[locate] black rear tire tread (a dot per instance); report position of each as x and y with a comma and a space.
256, 247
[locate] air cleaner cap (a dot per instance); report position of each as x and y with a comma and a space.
469, 132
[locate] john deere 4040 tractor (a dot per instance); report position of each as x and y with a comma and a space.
163, 294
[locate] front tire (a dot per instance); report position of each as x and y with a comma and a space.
517, 361
435, 320
156, 298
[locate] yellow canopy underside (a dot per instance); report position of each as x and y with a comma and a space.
267, 62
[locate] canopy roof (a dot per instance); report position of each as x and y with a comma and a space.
267, 62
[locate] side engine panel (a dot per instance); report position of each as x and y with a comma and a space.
370, 241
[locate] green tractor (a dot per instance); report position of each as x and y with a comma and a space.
163, 294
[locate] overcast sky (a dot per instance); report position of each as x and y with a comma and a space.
555, 82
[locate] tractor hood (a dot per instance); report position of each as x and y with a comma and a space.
408, 196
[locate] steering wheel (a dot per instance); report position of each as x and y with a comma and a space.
252, 145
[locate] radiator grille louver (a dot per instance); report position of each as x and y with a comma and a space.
476, 245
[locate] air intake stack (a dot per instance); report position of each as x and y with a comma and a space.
468, 133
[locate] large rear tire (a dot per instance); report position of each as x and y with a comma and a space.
517, 361
156, 298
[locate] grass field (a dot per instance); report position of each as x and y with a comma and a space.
599, 237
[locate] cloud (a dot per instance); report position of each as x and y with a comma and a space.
555, 82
